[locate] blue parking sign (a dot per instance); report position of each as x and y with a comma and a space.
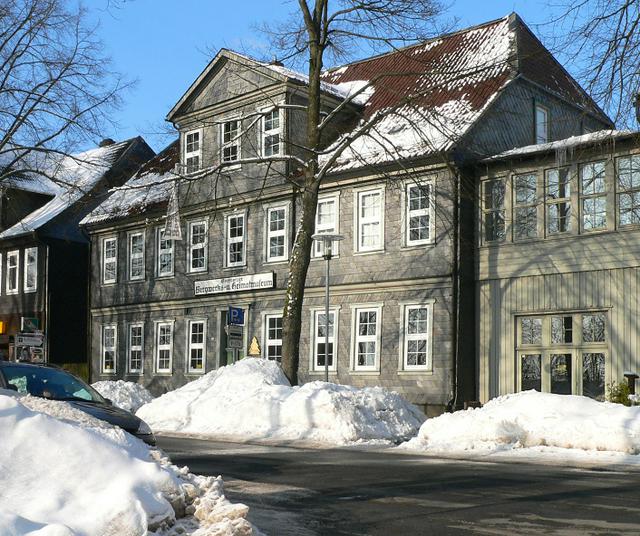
236, 315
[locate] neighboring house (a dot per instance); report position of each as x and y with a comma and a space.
44, 254
558, 266
402, 288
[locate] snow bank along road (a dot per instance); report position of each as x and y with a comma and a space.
339, 492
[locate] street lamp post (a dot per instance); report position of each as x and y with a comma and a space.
327, 240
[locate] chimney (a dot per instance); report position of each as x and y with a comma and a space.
106, 142
636, 105
276, 62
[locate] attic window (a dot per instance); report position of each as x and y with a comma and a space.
230, 141
192, 150
271, 133
542, 124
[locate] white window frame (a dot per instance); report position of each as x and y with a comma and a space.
109, 260
138, 347
30, 265
157, 347
315, 313
408, 213
15, 287
266, 341
194, 153
334, 228
356, 338
359, 221
159, 231
540, 136
104, 348
234, 142
203, 245
131, 256
272, 132
196, 346
269, 234
405, 308
228, 240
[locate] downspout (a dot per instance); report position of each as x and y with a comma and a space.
47, 302
89, 331
453, 404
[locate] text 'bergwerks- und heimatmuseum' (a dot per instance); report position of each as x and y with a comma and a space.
485, 270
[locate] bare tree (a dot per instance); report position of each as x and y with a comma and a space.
56, 87
316, 31
601, 41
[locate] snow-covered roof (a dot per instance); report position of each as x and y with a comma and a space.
599, 137
151, 185
75, 176
447, 84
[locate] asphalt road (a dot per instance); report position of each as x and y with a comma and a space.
336, 492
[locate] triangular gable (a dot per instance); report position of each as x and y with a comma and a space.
245, 73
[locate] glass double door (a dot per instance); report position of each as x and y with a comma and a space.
563, 372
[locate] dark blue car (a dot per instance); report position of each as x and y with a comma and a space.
53, 383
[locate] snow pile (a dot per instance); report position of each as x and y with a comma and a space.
253, 398
533, 419
65, 473
126, 395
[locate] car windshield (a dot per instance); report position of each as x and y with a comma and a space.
49, 383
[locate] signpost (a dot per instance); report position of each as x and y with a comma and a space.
235, 330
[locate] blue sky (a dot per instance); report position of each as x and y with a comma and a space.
165, 44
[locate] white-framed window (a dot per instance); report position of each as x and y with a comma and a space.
196, 346
366, 338
135, 348
109, 348
230, 136
272, 133
109, 260
197, 250
277, 234
628, 187
136, 256
563, 353
273, 337
327, 221
542, 124
416, 337
370, 220
593, 196
30, 276
419, 221
164, 346
164, 254
235, 239
193, 150
319, 330
13, 262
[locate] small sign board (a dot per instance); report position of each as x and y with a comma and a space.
234, 344
29, 340
29, 324
233, 330
236, 316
